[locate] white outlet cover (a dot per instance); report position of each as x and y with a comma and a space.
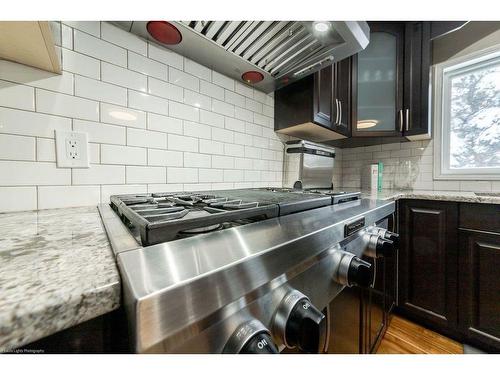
72, 149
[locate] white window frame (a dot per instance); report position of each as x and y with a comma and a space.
441, 103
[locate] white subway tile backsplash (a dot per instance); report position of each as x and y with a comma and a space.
196, 160
100, 49
18, 198
260, 96
117, 115
210, 118
101, 133
197, 100
66, 105
197, 70
183, 79
253, 105
124, 155
17, 96
66, 36
222, 108
91, 27
164, 123
26, 75
155, 122
225, 162
211, 147
15, 147
123, 77
182, 175
222, 135
232, 175
235, 150
123, 38
146, 138
78, 63
14, 173
244, 90
210, 175
161, 188
165, 158
211, 90
104, 92
149, 103
146, 175
195, 129
165, 56
147, 66
164, 89
68, 196
108, 190
223, 81
29, 123
243, 114
99, 174
181, 143
234, 98
183, 111
235, 124
45, 149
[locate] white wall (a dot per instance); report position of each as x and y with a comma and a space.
180, 125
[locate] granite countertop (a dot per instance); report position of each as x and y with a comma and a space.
453, 196
57, 270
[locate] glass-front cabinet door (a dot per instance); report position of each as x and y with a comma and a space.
378, 79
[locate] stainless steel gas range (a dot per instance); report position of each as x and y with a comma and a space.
244, 271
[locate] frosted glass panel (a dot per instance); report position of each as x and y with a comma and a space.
377, 84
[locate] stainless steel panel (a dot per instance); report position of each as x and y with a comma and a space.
179, 292
317, 171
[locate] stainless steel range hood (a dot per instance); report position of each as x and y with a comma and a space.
283, 51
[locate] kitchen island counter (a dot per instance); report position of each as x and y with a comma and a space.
57, 270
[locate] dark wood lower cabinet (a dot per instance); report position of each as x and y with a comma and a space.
449, 269
428, 262
479, 289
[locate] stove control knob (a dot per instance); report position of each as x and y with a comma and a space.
394, 237
384, 248
388, 235
299, 324
350, 270
360, 273
378, 246
251, 337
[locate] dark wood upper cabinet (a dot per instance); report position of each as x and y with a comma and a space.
318, 107
378, 74
416, 80
479, 297
428, 262
380, 95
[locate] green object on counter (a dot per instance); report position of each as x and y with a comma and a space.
380, 173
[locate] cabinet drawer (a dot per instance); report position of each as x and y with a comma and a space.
480, 216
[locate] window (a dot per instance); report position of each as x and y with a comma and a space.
467, 117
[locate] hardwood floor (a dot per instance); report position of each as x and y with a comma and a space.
405, 337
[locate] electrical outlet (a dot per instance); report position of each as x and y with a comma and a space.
72, 149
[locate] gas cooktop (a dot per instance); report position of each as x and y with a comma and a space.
160, 217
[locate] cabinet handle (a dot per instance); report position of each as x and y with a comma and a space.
336, 111
340, 112
400, 116
407, 120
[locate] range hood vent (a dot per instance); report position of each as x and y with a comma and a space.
282, 51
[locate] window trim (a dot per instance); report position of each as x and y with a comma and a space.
441, 114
